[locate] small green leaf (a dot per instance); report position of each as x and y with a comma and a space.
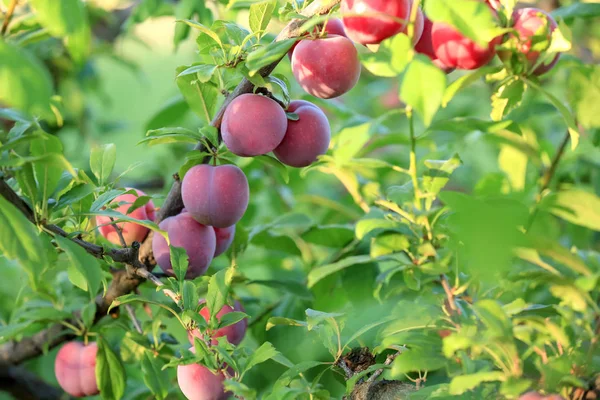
203, 72
102, 161
276, 165
268, 54
464, 383
265, 352
155, 377
179, 262
84, 271
260, 15
218, 290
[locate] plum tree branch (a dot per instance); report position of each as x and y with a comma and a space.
140, 259
173, 203
8, 16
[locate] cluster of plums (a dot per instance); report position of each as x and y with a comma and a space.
75, 364
328, 66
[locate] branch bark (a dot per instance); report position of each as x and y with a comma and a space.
140, 259
25, 385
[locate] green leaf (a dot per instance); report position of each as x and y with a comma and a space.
275, 321
438, 174
276, 165
474, 19
19, 240
47, 174
464, 383
467, 80
575, 205
367, 226
319, 273
110, 373
335, 236
296, 288
260, 15
155, 377
206, 31
102, 161
265, 352
506, 98
25, 84
391, 58
179, 262
84, 270
494, 318
584, 92
203, 72
231, 318
389, 243
562, 109
68, 20
218, 290
268, 54
201, 97
423, 87
577, 10
189, 296
8, 332
239, 389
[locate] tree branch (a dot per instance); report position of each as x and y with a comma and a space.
8, 16
25, 385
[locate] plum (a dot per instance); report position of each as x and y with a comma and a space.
224, 237
455, 50
235, 333
199, 242
381, 19
199, 383
75, 369
131, 231
253, 125
216, 195
528, 22
305, 139
326, 68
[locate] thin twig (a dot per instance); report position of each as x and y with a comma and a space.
547, 178
388, 361
144, 273
342, 364
449, 294
119, 232
8, 16
136, 322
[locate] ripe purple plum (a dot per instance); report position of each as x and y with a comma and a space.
199, 383
305, 139
373, 21
75, 369
131, 231
216, 195
253, 125
326, 68
528, 22
224, 237
235, 333
199, 242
